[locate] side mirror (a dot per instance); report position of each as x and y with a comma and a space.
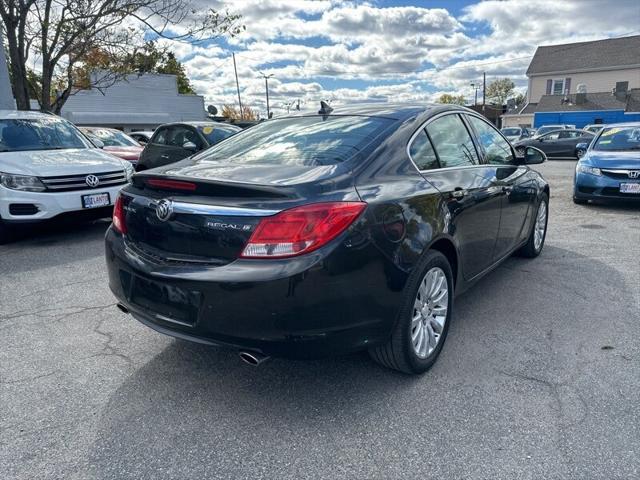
142, 143
190, 146
97, 142
533, 156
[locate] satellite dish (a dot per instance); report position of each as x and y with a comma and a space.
212, 110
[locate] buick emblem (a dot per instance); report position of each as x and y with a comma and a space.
634, 174
164, 209
92, 181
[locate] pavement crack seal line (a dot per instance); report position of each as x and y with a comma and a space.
68, 311
28, 379
31, 294
108, 349
555, 388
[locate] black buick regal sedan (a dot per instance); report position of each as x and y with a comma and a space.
320, 234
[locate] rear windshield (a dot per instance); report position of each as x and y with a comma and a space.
39, 134
217, 134
619, 139
314, 140
511, 132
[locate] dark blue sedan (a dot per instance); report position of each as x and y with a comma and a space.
610, 168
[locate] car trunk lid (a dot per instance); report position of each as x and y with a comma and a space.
180, 219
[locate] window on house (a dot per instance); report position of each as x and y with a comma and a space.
558, 87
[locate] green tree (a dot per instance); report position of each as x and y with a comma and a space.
499, 90
454, 99
519, 98
172, 66
62, 33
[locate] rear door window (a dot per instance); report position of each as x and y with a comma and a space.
160, 137
452, 142
181, 135
217, 134
422, 152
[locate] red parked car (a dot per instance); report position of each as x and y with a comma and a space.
115, 142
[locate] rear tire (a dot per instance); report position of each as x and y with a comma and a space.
425, 288
536, 239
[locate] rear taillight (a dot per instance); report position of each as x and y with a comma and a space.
119, 224
301, 229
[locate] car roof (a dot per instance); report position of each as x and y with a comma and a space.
398, 111
87, 127
202, 124
624, 124
24, 115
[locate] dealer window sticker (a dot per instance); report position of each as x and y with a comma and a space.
613, 131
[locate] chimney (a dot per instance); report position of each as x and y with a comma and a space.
581, 94
621, 90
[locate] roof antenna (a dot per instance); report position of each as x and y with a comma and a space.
325, 108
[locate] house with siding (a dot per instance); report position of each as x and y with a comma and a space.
137, 102
588, 78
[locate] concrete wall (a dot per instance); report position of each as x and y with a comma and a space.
603, 81
517, 120
139, 102
6, 97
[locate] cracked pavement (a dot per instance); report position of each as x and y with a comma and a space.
540, 376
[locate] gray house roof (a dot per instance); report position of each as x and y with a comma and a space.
584, 56
594, 101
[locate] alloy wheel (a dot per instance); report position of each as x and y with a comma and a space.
541, 225
429, 312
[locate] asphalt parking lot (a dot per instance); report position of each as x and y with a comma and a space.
540, 376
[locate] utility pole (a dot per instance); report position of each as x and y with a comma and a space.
484, 88
266, 87
237, 85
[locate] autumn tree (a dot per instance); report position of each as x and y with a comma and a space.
499, 90
233, 113
62, 34
453, 99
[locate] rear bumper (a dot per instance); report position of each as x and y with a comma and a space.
325, 303
593, 187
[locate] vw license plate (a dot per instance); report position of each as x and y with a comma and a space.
96, 200
630, 188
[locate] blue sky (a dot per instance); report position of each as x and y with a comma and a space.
388, 50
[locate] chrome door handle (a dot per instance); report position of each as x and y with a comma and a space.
458, 193
166, 155
507, 188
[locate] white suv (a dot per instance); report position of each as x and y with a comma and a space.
47, 167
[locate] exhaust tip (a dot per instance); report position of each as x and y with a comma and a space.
122, 308
253, 358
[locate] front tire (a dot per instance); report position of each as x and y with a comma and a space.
5, 234
423, 321
538, 234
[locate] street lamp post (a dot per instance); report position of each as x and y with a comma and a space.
475, 98
266, 87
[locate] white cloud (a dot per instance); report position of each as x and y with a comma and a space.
399, 53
